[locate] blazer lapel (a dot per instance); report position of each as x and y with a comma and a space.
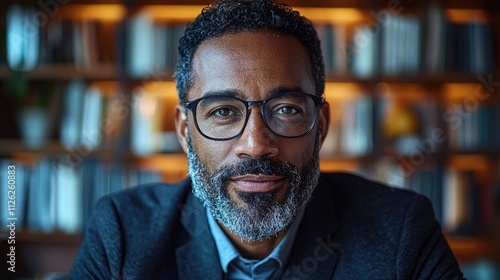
198, 257
315, 252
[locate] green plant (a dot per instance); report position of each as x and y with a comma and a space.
24, 94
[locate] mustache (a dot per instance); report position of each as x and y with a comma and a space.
263, 166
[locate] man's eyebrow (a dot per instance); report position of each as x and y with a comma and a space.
282, 90
236, 93
239, 94
228, 92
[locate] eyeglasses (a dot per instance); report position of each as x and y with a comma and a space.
221, 117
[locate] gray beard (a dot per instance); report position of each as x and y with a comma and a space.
261, 217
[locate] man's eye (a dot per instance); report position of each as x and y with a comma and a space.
223, 112
287, 110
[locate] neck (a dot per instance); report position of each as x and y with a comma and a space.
258, 249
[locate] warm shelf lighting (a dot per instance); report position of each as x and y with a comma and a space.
410, 91
173, 12
164, 162
475, 162
332, 15
342, 91
339, 164
103, 12
466, 15
160, 88
479, 163
108, 88
189, 12
472, 93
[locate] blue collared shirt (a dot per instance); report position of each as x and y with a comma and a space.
237, 267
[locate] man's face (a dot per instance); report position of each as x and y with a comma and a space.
256, 183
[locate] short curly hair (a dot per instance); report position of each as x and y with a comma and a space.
234, 16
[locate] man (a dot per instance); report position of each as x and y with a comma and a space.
252, 120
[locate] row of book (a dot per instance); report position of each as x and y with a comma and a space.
82, 116
409, 124
463, 202
58, 195
350, 131
388, 44
395, 44
80, 43
148, 47
476, 129
95, 116
152, 45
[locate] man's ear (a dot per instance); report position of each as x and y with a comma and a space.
324, 120
181, 128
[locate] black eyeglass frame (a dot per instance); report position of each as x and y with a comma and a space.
191, 105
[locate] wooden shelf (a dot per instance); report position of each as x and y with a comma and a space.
55, 238
422, 78
439, 153
16, 148
102, 72
109, 71
42, 253
470, 249
360, 4
74, 2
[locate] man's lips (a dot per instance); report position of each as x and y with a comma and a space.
257, 183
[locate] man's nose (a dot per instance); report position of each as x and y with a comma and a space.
257, 140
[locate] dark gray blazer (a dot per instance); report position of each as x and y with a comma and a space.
352, 229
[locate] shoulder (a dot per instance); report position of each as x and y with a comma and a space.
366, 193
131, 212
380, 226
127, 223
363, 203
154, 195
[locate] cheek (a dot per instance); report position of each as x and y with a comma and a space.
211, 153
298, 151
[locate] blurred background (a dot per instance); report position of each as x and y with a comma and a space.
87, 96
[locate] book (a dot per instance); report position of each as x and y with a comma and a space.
90, 136
364, 56
68, 202
434, 43
141, 45
72, 115
144, 123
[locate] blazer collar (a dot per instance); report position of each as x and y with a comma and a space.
315, 252
198, 257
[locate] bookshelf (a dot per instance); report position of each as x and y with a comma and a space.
447, 108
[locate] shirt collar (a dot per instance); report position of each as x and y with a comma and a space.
227, 251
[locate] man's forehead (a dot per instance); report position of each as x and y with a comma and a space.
242, 42
251, 59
